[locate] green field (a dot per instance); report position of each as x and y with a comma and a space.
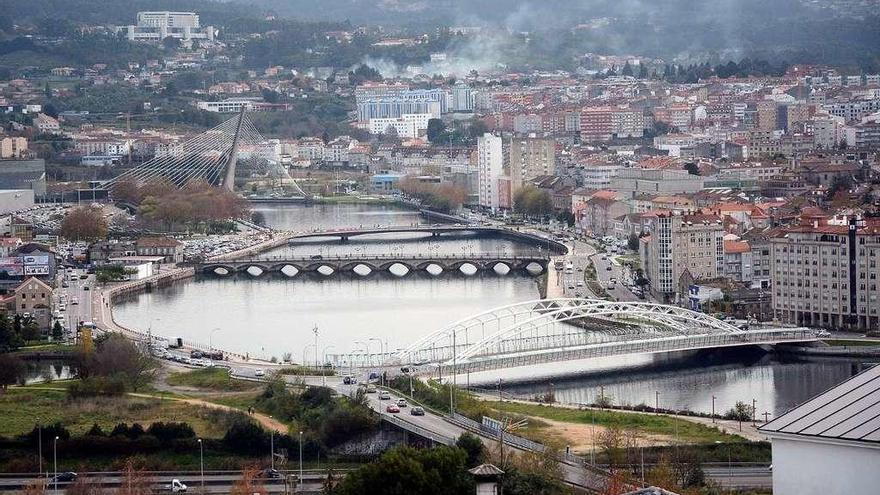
216, 379
650, 424
22, 408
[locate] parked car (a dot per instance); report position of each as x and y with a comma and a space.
259, 372
392, 408
417, 411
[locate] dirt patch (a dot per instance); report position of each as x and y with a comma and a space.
582, 437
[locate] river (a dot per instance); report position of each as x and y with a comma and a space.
274, 316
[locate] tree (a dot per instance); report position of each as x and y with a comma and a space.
611, 442
739, 412
135, 481
249, 483
84, 223
246, 437
170, 43
436, 131
57, 331
11, 370
473, 446
692, 168
529, 200
120, 358
438, 471
633, 242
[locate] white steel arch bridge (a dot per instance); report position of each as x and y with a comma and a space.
553, 330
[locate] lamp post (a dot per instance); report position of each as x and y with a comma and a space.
380, 346
315, 330
324, 354
713, 408
300, 456
306, 348
272, 446
40, 445
202, 463
211, 338
55, 462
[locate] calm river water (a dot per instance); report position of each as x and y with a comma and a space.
271, 316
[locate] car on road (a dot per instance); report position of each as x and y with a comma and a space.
176, 486
67, 477
83, 276
384, 395
86, 287
259, 372
608, 268
270, 473
392, 408
316, 257
401, 402
417, 411
348, 380
371, 389
580, 284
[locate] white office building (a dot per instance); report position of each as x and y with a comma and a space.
408, 126
156, 26
490, 167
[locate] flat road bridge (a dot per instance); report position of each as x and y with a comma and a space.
398, 264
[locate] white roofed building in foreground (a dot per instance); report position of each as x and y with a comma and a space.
830, 445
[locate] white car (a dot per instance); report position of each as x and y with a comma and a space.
259, 372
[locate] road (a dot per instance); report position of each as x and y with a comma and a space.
607, 269
740, 477
446, 431
215, 482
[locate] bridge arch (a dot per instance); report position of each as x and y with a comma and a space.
591, 320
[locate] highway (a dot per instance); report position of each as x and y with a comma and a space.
215, 481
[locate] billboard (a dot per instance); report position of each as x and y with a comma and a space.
36, 269
12, 266
35, 260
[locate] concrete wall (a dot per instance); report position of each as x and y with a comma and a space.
813, 468
15, 199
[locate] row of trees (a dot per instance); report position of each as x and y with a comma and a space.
84, 223
465, 133
444, 198
197, 205
531, 201
116, 365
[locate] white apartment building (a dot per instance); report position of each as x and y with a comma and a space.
682, 249
828, 130
628, 123
827, 275
490, 168
409, 126
156, 26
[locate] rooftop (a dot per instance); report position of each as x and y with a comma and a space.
849, 411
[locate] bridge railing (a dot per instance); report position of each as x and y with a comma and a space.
418, 430
485, 256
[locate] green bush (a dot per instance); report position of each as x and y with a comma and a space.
97, 386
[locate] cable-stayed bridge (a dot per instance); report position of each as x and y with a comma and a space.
212, 156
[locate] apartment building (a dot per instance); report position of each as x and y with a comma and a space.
490, 168
597, 124
531, 157
681, 249
634, 181
13, 147
826, 274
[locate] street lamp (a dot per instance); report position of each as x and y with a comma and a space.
377, 340
306, 348
202, 464
40, 445
300, 457
324, 354
55, 462
272, 446
211, 338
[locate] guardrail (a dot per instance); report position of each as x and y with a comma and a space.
418, 430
